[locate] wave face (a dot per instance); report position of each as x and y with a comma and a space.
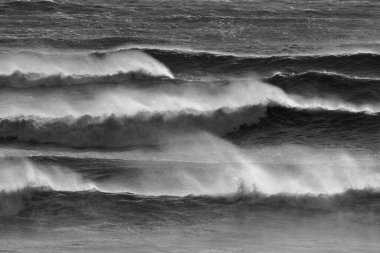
324, 84
339, 128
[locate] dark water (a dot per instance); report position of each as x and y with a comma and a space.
189, 126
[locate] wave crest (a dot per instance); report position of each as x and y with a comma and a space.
32, 80
361, 63
329, 85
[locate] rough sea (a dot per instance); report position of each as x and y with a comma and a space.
190, 126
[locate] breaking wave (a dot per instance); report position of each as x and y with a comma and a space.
315, 127
188, 50
81, 63
300, 177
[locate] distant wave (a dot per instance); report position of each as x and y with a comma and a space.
81, 63
182, 49
323, 74
362, 64
327, 84
33, 80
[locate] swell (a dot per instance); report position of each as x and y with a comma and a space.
312, 127
361, 64
326, 84
272, 123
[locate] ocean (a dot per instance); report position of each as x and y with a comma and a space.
190, 126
